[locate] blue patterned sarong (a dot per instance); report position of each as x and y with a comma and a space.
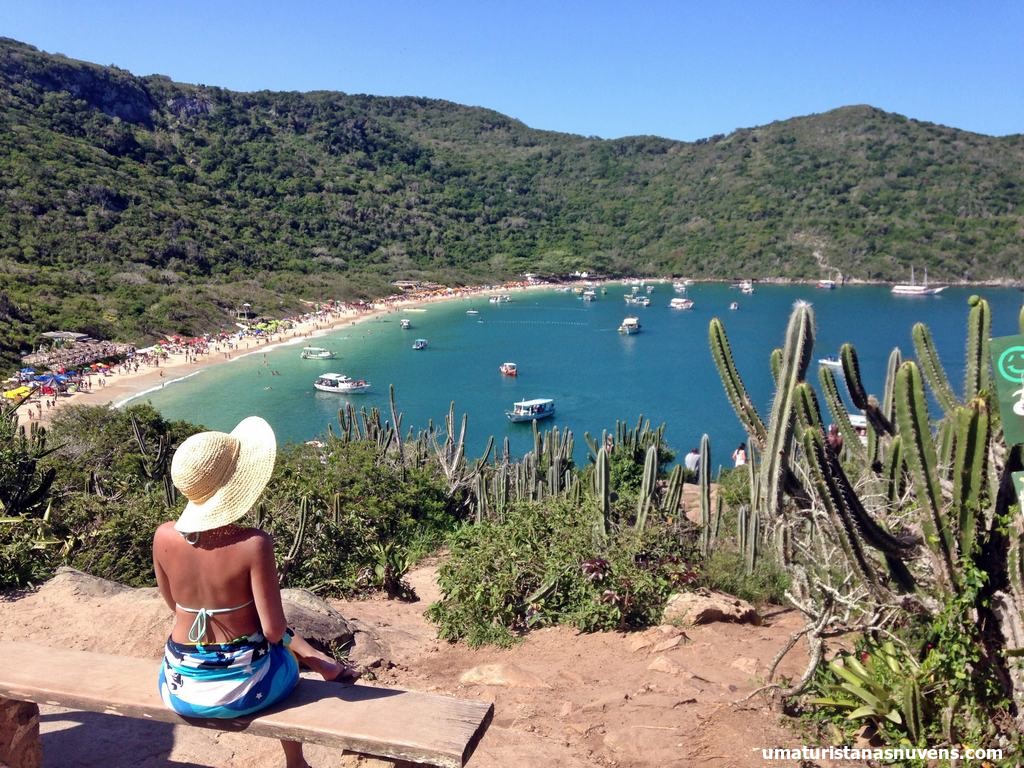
226, 680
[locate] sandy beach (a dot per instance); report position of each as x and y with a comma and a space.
118, 387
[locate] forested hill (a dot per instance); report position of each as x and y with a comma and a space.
131, 206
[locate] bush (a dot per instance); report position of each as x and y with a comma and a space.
365, 511
545, 565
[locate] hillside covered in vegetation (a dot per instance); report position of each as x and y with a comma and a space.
134, 206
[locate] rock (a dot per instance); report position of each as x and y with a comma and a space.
668, 644
745, 664
315, 620
704, 607
507, 675
664, 664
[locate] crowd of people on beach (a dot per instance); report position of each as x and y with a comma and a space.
67, 368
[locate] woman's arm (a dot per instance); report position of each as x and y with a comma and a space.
159, 547
266, 591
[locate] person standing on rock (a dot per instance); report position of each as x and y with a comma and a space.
230, 653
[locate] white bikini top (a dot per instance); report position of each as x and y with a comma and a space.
198, 629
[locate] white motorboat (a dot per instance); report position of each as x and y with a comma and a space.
316, 353
529, 410
680, 303
589, 295
747, 287
342, 384
913, 289
406, 324
828, 285
419, 344
508, 369
832, 362
734, 305
630, 325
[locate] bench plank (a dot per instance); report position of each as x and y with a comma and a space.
388, 722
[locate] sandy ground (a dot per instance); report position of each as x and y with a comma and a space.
118, 388
666, 698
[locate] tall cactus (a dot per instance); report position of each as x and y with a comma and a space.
795, 358
915, 428
735, 390
931, 367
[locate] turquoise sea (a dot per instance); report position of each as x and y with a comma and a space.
570, 350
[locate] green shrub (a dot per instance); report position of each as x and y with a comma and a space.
543, 565
724, 571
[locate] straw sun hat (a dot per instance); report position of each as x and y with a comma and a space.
223, 474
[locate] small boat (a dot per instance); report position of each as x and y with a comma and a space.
680, 303
643, 301
833, 362
419, 344
630, 325
508, 369
342, 384
589, 295
679, 286
529, 410
472, 311
828, 285
316, 353
746, 286
734, 305
650, 289
406, 324
503, 298
913, 289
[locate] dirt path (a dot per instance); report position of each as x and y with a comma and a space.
658, 699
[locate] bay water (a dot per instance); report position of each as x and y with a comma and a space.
570, 350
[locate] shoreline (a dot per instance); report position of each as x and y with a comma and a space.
118, 389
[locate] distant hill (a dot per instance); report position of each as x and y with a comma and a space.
132, 206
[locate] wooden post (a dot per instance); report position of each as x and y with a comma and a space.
20, 746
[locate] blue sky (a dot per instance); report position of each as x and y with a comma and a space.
683, 70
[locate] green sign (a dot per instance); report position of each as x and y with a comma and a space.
1008, 369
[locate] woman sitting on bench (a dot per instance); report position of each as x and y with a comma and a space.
230, 653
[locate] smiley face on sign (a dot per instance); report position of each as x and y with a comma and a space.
1010, 364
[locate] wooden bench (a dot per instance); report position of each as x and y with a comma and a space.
384, 722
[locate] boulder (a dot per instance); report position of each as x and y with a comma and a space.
506, 675
312, 618
703, 606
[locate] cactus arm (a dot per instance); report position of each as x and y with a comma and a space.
979, 328
970, 489
647, 487
796, 356
912, 417
735, 390
892, 471
830, 387
931, 368
775, 364
815, 449
704, 481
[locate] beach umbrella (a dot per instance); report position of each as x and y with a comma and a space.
27, 371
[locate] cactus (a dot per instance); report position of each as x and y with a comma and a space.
970, 489
704, 484
647, 487
735, 390
979, 329
296, 547
155, 465
915, 428
795, 358
931, 368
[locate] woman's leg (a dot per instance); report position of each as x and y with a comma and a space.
321, 663
293, 754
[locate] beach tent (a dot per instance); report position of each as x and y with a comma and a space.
18, 393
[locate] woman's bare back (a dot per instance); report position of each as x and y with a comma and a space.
228, 567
